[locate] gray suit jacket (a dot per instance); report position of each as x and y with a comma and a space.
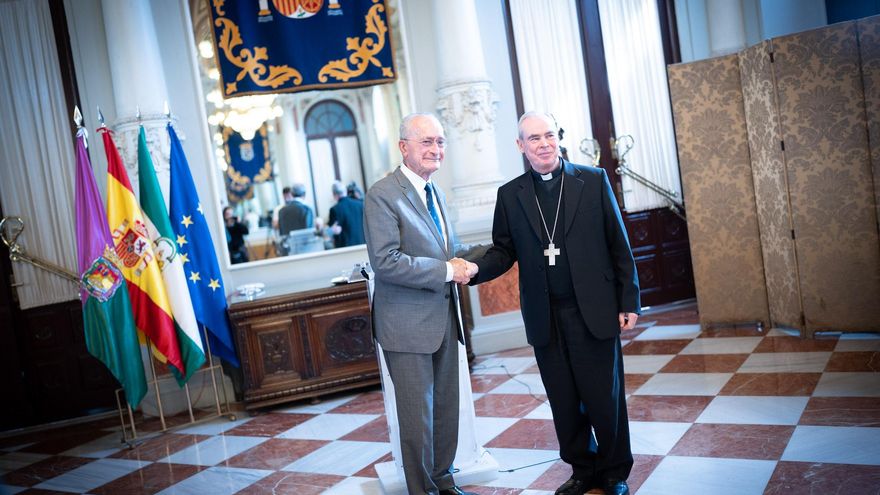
408, 256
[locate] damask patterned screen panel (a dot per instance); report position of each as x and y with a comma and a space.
768, 174
869, 48
822, 120
710, 129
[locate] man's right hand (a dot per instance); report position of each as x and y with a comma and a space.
460, 270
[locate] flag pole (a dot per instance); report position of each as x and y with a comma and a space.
211, 367
156, 384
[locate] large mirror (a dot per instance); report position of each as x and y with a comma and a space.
294, 167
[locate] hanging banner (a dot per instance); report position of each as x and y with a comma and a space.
282, 46
248, 160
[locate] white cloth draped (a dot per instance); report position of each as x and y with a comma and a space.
640, 97
551, 67
36, 150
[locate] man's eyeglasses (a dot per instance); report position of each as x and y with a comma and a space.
428, 142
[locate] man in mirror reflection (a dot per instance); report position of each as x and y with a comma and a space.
412, 250
235, 232
347, 215
296, 214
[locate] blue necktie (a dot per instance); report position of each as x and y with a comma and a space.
431, 209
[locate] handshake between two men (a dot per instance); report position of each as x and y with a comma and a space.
463, 270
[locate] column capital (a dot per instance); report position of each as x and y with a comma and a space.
469, 109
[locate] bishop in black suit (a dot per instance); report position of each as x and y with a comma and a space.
578, 290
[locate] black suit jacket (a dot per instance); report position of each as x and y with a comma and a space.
349, 214
295, 216
602, 267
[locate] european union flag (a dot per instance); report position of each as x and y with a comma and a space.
197, 251
280, 46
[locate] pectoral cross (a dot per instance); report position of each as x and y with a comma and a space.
552, 252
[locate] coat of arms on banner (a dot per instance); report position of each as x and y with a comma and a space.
102, 278
278, 46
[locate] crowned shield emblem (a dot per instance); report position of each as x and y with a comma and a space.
246, 151
102, 279
298, 9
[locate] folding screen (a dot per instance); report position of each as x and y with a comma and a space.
707, 108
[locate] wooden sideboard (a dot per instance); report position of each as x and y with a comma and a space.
304, 344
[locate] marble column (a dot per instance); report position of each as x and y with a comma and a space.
466, 104
727, 29
138, 85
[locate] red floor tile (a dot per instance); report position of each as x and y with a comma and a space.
284, 483
734, 441
275, 453
41, 471
732, 331
786, 384
854, 361
632, 382
795, 344
269, 425
685, 408
148, 480
484, 383
642, 347
817, 478
527, 434
842, 411
374, 431
643, 466
705, 363
367, 403
507, 405
370, 471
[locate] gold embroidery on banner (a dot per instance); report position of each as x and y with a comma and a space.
218, 7
251, 62
265, 171
364, 50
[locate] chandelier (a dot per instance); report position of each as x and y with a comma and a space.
244, 114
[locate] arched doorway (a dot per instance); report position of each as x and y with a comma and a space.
334, 150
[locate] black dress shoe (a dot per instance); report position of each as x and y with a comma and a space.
455, 491
574, 487
615, 487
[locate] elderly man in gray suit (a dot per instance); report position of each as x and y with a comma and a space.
412, 250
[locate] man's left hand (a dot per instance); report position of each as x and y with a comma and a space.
627, 320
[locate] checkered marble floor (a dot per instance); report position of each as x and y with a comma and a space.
725, 411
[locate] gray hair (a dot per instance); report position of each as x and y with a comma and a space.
299, 190
533, 113
338, 188
406, 123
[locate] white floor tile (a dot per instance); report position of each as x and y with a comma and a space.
834, 444
784, 332
852, 384
541, 412
214, 427
535, 492
861, 335
11, 490
747, 410
214, 450
722, 345
655, 437
98, 448
91, 475
320, 407
856, 345
17, 460
645, 364
679, 475
785, 362
526, 465
668, 332
342, 458
521, 384
355, 485
503, 366
486, 428
217, 480
328, 426
684, 384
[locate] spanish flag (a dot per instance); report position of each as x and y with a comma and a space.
138, 261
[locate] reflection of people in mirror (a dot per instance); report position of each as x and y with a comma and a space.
347, 216
235, 232
296, 214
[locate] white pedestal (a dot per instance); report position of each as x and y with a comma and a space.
473, 463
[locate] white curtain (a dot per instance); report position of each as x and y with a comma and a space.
640, 97
36, 150
551, 66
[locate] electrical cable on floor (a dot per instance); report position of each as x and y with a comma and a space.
512, 377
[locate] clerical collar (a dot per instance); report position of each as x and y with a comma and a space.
546, 177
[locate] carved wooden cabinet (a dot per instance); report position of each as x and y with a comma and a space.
304, 344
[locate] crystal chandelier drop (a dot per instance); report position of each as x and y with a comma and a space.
244, 114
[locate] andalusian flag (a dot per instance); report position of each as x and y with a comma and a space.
137, 260
202, 269
108, 325
165, 243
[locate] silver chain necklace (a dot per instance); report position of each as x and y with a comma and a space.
552, 251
